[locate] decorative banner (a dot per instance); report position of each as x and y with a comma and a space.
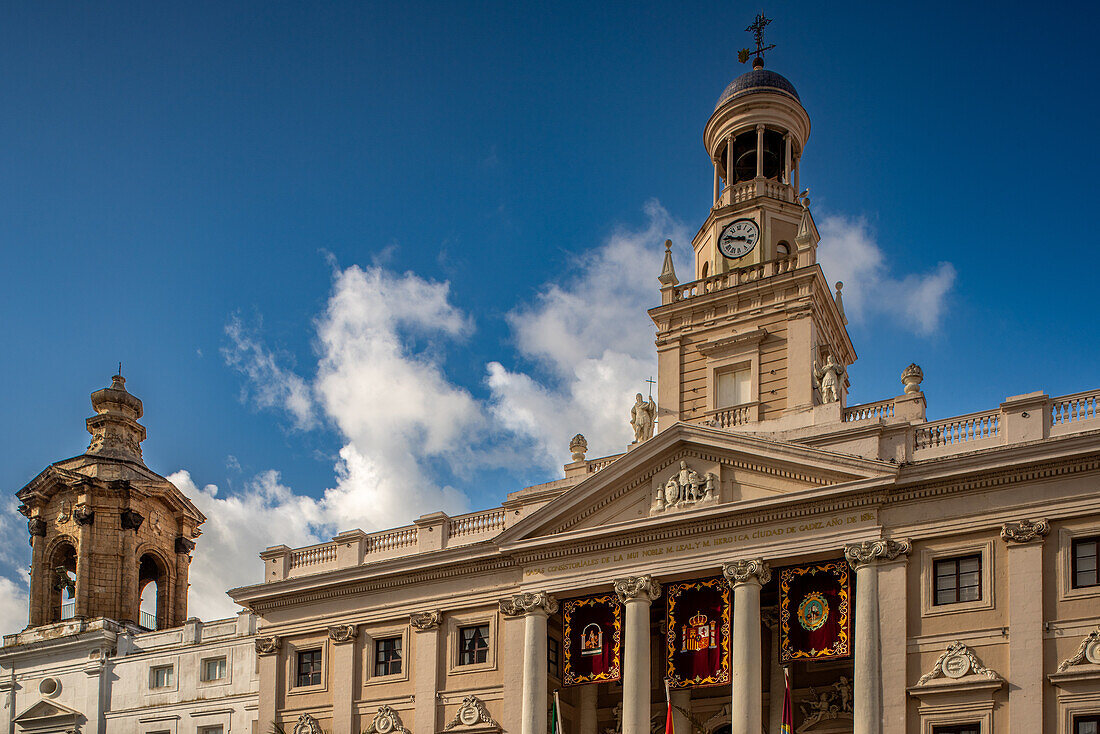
592, 638
815, 621
698, 633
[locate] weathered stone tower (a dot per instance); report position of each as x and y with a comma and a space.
103, 527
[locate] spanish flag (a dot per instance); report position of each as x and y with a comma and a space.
669, 728
787, 727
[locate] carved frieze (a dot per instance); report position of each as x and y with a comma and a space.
828, 704
685, 488
307, 725
267, 645
386, 721
1087, 652
957, 661
743, 571
472, 714
871, 551
528, 603
1024, 531
424, 621
343, 632
637, 587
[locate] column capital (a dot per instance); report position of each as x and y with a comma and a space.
268, 645
343, 633
425, 621
637, 587
1024, 531
872, 551
747, 571
531, 602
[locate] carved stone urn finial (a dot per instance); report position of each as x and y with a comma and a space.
912, 378
578, 447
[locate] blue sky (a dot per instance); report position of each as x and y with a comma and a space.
268, 210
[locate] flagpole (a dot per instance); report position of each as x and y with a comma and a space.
669, 725
558, 729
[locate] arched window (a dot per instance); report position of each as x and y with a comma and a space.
782, 249
706, 269
153, 591
63, 582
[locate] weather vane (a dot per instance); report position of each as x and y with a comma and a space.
757, 30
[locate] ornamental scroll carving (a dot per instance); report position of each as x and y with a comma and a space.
386, 721
870, 551
343, 632
472, 713
957, 661
744, 571
37, 527
529, 603
1024, 531
637, 587
1088, 651
307, 725
267, 645
686, 487
424, 621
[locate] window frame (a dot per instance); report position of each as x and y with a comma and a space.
319, 652
477, 650
203, 680
957, 576
1074, 542
981, 547
171, 683
1066, 537
553, 662
959, 728
455, 622
1077, 719
367, 653
378, 644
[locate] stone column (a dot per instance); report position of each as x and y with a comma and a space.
729, 163
637, 593
1025, 621
425, 644
867, 693
787, 159
342, 637
587, 721
267, 663
746, 577
717, 184
534, 607
759, 154
893, 631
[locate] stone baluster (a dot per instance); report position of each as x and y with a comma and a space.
637, 593
534, 607
867, 695
746, 577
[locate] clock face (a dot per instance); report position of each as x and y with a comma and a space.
738, 238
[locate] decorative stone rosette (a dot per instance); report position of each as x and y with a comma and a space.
386, 721
957, 662
746, 570
532, 602
424, 621
637, 587
267, 645
1024, 531
307, 725
870, 551
472, 714
343, 633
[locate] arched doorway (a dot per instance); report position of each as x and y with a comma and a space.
62, 567
152, 592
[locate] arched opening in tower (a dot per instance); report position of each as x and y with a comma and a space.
63, 586
153, 592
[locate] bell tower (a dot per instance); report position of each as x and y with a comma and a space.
756, 340
109, 537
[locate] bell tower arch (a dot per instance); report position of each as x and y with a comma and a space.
104, 527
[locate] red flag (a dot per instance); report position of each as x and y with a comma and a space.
669, 728
787, 727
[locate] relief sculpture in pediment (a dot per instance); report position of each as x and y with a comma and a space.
686, 487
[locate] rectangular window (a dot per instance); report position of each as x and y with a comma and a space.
733, 387
213, 669
553, 657
212, 730
1089, 724
1086, 562
161, 676
309, 668
387, 656
473, 644
958, 579
958, 729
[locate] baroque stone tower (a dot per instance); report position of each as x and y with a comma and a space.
757, 338
103, 527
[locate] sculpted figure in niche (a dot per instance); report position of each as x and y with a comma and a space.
828, 380
642, 416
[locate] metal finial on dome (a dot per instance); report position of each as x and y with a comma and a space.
757, 31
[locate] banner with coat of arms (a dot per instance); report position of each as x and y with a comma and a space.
698, 633
815, 619
592, 639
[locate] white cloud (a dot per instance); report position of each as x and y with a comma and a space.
849, 253
591, 337
14, 608
271, 385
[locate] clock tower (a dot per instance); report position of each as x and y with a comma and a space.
756, 340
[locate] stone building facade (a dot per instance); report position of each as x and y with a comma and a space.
968, 544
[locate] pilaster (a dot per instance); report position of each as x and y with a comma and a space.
426, 669
342, 641
267, 664
1024, 540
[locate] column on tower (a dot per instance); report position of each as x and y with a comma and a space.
760, 151
747, 577
637, 594
534, 607
867, 695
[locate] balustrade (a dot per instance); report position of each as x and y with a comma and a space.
1073, 408
959, 430
881, 409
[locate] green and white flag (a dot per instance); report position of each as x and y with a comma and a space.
555, 716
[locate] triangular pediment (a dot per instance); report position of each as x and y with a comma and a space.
45, 712
692, 469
